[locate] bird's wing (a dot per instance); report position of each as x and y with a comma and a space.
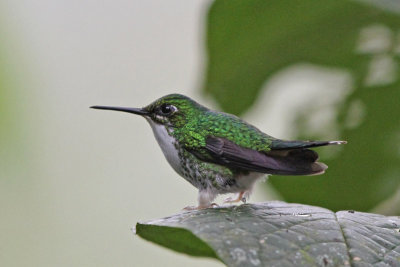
298, 161
278, 144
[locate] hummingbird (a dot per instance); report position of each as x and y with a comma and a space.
219, 153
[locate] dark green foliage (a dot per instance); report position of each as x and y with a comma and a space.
175, 238
280, 234
250, 41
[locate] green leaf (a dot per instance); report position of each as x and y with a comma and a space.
248, 42
178, 239
280, 234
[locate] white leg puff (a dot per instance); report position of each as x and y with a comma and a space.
205, 198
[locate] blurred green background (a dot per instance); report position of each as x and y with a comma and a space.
73, 181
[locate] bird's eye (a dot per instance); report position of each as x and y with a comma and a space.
167, 109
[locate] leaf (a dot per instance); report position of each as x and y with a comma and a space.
280, 234
248, 42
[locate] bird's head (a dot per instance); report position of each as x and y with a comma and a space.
172, 110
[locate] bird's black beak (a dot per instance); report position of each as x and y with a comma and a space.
138, 111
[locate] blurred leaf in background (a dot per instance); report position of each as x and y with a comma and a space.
249, 42
11, 142
5, 119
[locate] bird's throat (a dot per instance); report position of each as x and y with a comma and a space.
168, 144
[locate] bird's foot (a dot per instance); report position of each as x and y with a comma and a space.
238, 199
212, 205
191, 208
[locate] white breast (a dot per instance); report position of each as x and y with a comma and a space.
166, 142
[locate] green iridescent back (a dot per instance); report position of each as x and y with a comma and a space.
193, 123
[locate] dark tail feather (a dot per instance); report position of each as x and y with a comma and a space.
294, 158
282, 144
296, 162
